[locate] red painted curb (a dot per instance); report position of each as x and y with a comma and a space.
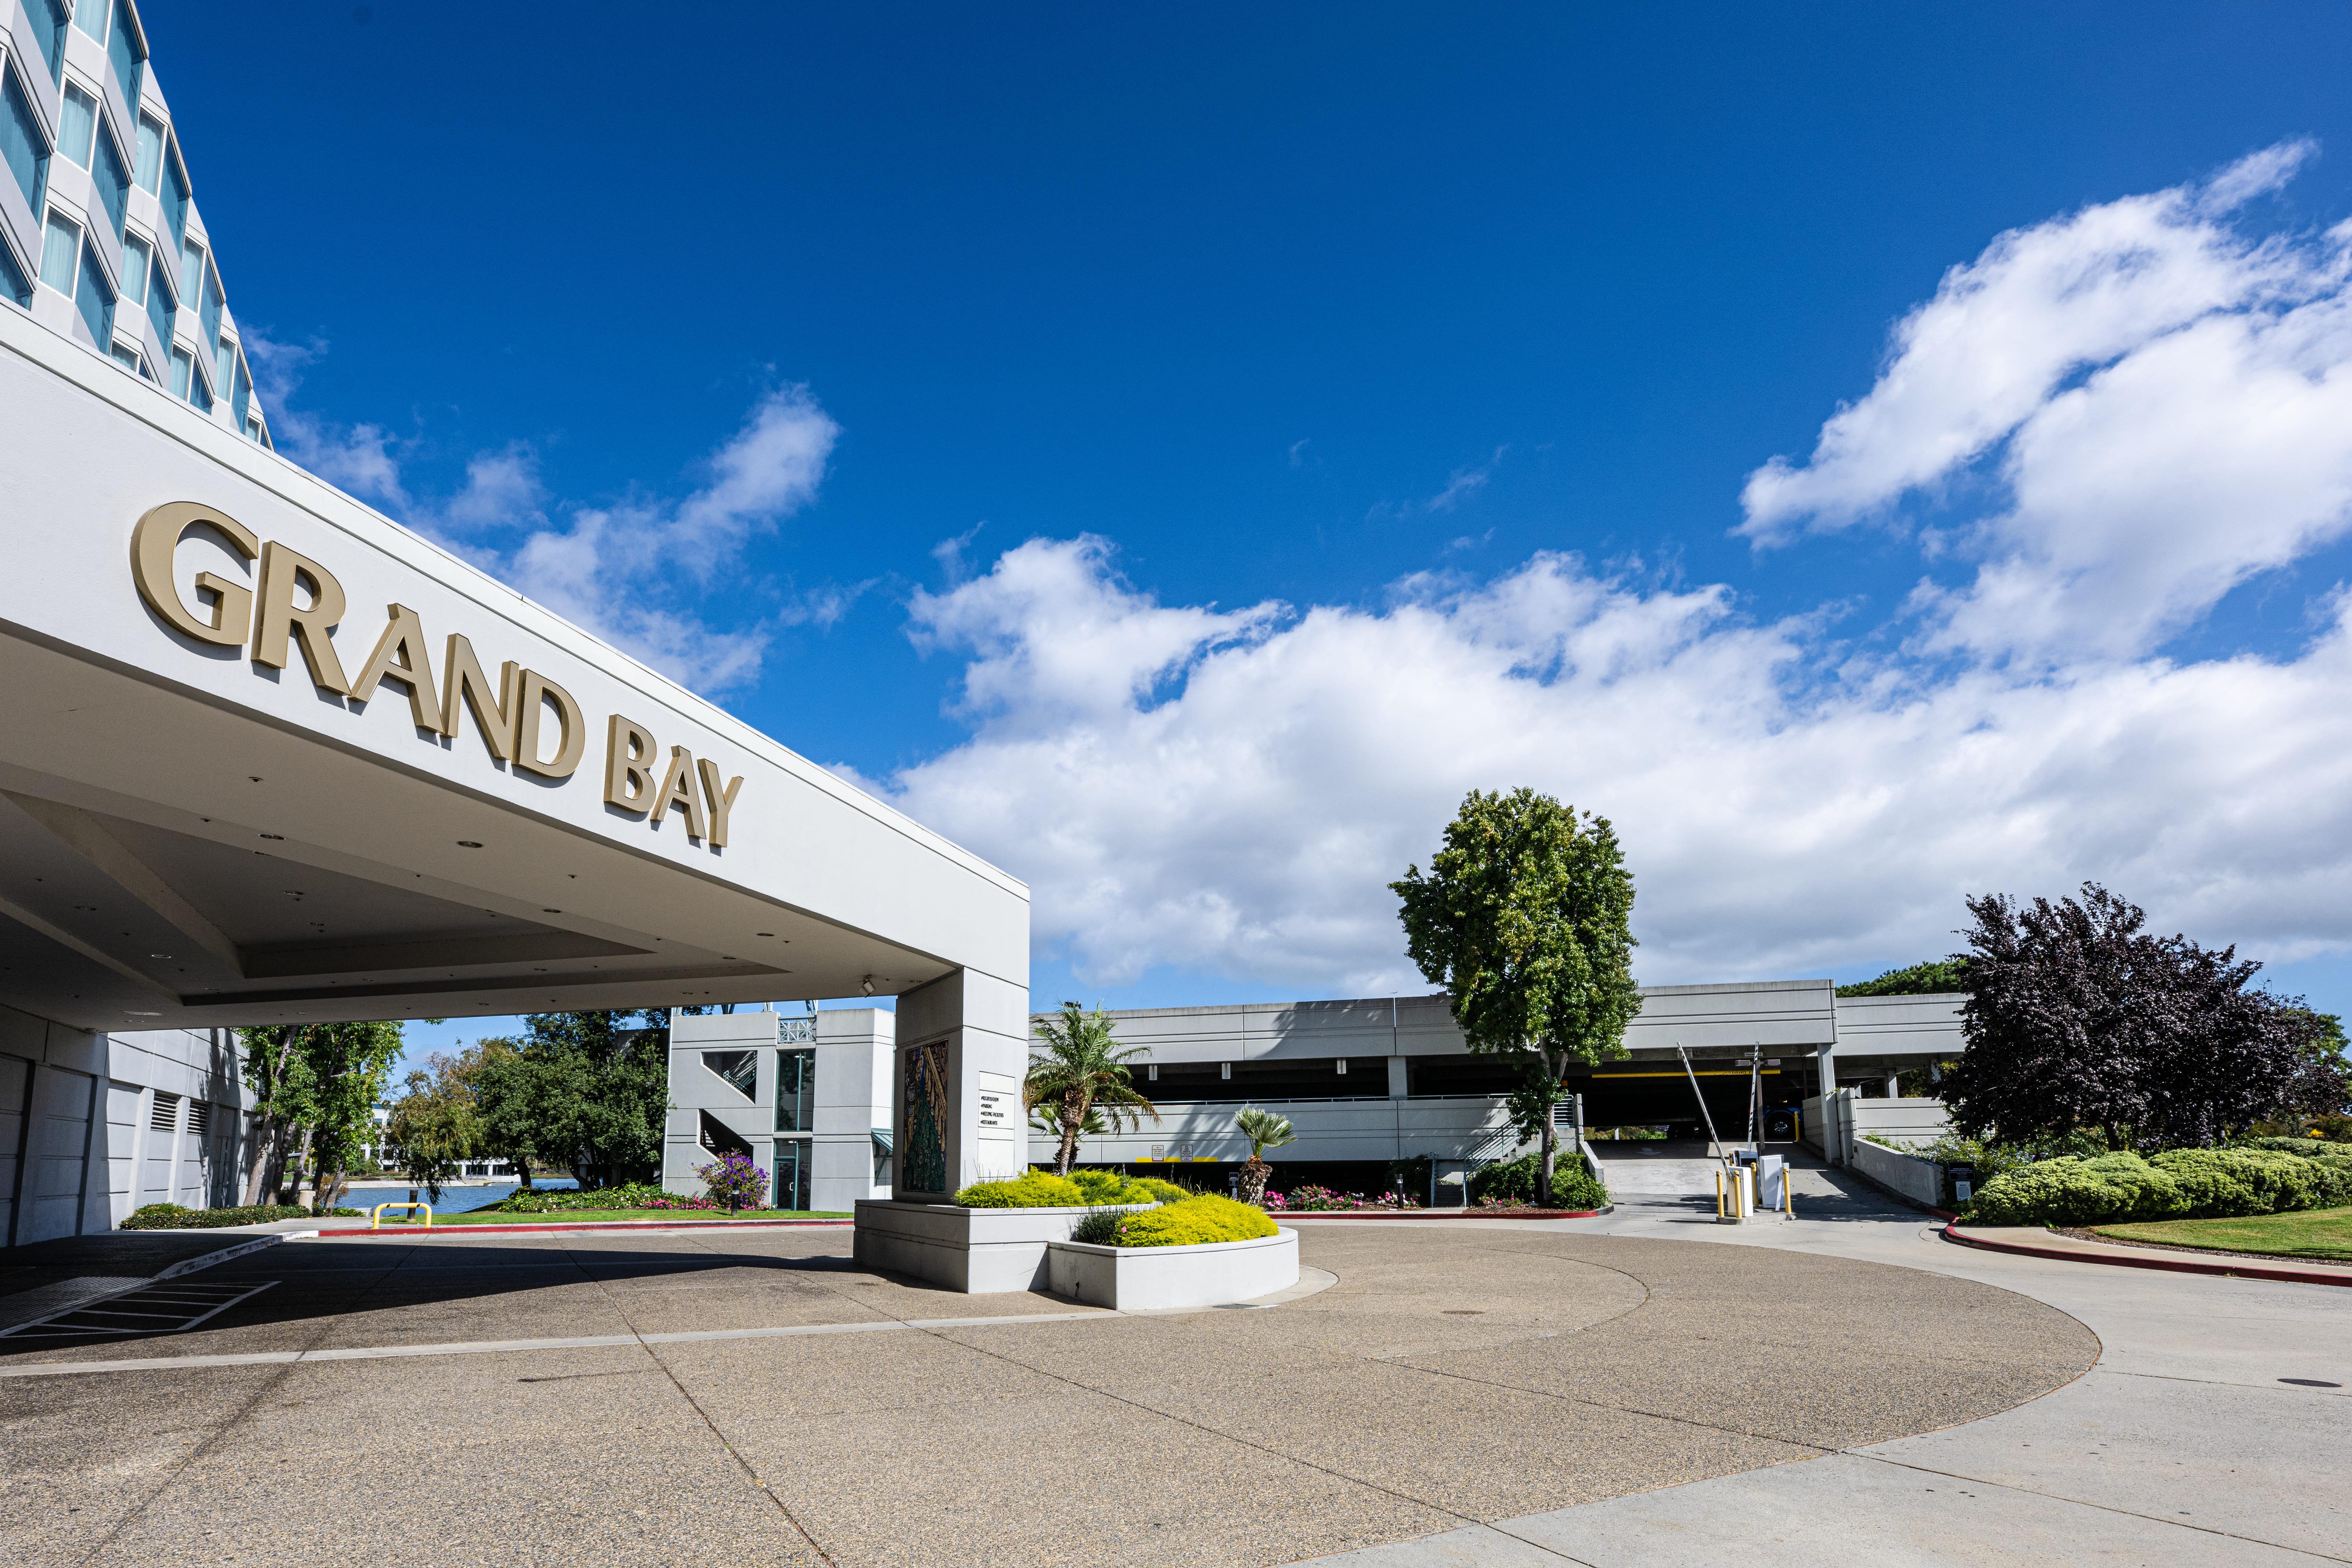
2173, 1265
586, 1224
1436, 1214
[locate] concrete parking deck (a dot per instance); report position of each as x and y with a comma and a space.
1449, 1376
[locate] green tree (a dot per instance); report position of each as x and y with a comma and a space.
435, 1125
1264, 1130
1524, 919
518, 1099
1081, 1069
606, 1089
1928, 977
318, 1085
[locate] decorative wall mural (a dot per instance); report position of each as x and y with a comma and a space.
923, 1168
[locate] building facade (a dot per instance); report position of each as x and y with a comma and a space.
1374, 1081
268, 757
101, 240
806, 1096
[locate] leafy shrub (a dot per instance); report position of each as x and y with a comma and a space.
2305, 1146
172, 1216
1513, 1181
1099, 1228
563, 1200
1038, 1188
1308, 1198
2180, 1182
1193, 1222
1032, 1190
2068, 1191
2228, 1181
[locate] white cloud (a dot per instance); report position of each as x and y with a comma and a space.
1465, 483
636, 572
2161, 398
1247, 822
2159, 402
356, 457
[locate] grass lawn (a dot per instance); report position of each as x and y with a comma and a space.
681, 1216
2314, 1232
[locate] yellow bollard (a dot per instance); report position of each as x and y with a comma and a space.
375, 1215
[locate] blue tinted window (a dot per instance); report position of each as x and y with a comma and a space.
124, 49
90, 17
95, 299
50, 31
113, 182
60, 245
191, 270
26, 150
149, 161
76, 124
13, 282
241, 393
183, 371
174, 197
129, 360
208, 310
134, 269
199, 394
224, 356
159, 301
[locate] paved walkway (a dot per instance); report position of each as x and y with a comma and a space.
2186, 1445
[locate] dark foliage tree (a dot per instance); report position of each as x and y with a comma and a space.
1524, 919
2077, 1019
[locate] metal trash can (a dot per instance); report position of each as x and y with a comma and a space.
1772, 1183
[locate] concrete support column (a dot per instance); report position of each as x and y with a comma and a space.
1397, 1080
1894, 1085
962, 1052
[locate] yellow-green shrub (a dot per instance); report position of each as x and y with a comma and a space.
1159, 1192
1194, 1221
1032, 1190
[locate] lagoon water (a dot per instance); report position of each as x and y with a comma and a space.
454, 1200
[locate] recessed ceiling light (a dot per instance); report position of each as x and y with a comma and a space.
469, 843
547, 911
279, 837
764, 933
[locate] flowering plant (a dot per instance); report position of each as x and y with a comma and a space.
1310, 1198
734, 1181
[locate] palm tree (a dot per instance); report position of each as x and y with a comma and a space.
1264, 1130
1079, 1072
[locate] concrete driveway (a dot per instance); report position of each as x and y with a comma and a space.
756, 1397
2185, 1444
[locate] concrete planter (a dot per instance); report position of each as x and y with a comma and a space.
979, 1252
1139, 1278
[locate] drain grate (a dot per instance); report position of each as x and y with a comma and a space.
172, 1307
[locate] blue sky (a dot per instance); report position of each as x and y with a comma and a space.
1363, 341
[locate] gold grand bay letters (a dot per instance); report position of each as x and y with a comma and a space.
524, 719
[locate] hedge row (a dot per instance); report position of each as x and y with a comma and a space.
2179, 1184
636, 1196
1041, 1189
172, 1216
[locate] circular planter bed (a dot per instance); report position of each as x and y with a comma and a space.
1147, 1278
